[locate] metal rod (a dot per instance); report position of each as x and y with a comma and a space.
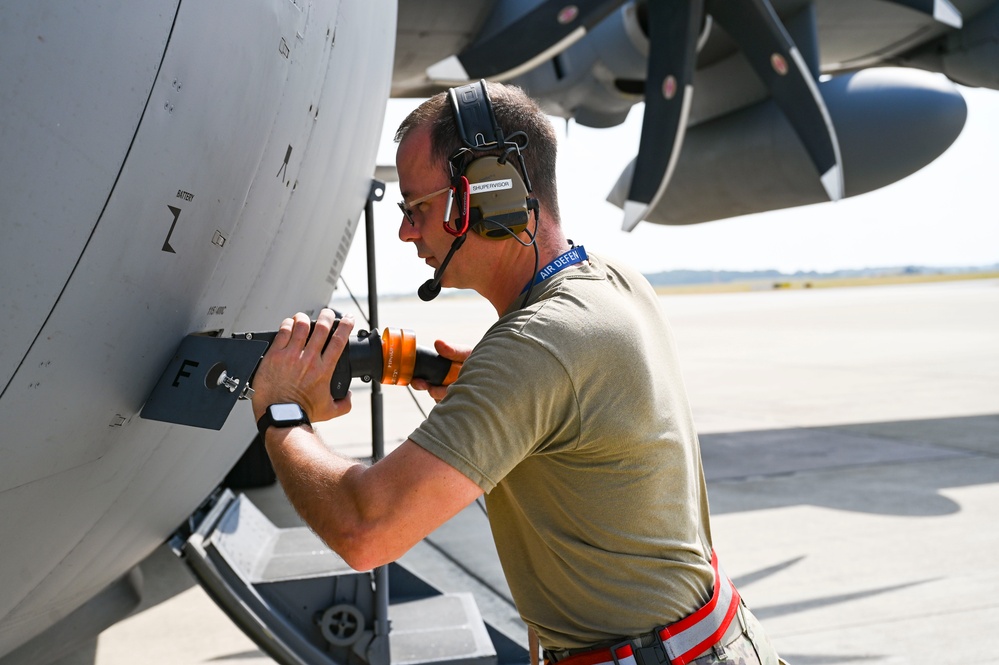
380, 651
377, 418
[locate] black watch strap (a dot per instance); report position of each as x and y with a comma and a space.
282, 415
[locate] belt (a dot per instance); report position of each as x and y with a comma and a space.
682, 641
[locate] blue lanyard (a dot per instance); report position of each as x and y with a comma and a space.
572, 256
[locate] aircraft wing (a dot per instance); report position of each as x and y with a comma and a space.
750, 105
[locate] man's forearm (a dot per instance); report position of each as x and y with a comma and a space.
369, 515
322, 485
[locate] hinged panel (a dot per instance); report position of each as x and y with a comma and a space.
203, 381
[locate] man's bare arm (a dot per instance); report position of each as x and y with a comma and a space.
368, 515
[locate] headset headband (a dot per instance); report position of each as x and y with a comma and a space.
492, 195
477, 126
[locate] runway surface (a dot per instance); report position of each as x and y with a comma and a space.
851, 443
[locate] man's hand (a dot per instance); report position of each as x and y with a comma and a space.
459, 353
296, 369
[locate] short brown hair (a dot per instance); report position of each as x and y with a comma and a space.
515, 111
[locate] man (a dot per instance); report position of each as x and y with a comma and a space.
570, 414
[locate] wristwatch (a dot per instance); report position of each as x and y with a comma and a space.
282, 415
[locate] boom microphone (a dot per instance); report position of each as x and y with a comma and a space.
431, 288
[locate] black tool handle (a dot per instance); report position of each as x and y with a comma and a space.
431, 367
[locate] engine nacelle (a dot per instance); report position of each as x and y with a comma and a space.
890, 123
598, 79
968, 56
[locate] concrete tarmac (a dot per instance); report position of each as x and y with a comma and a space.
851, 443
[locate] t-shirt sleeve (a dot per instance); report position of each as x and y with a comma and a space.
513, 398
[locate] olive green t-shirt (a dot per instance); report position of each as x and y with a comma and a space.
572, 416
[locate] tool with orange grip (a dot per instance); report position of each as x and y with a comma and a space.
392, 357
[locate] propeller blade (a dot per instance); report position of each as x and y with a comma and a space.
674, 28
755, 26
941, 10
524, 42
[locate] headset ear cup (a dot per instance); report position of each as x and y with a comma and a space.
498, 204
499, 199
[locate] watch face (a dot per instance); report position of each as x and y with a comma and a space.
287, 413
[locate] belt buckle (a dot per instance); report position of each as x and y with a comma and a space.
639, 654
621, 645
660, 644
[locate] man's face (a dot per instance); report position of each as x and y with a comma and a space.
419, 177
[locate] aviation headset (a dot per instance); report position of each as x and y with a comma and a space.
492, 195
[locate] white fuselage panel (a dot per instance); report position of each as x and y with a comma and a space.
224, 203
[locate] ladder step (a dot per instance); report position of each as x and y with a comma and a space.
440, 629
302, 604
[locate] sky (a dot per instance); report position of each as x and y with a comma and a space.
946, 214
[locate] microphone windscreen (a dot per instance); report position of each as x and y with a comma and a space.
429, 290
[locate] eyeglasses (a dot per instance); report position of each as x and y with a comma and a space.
407, 208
